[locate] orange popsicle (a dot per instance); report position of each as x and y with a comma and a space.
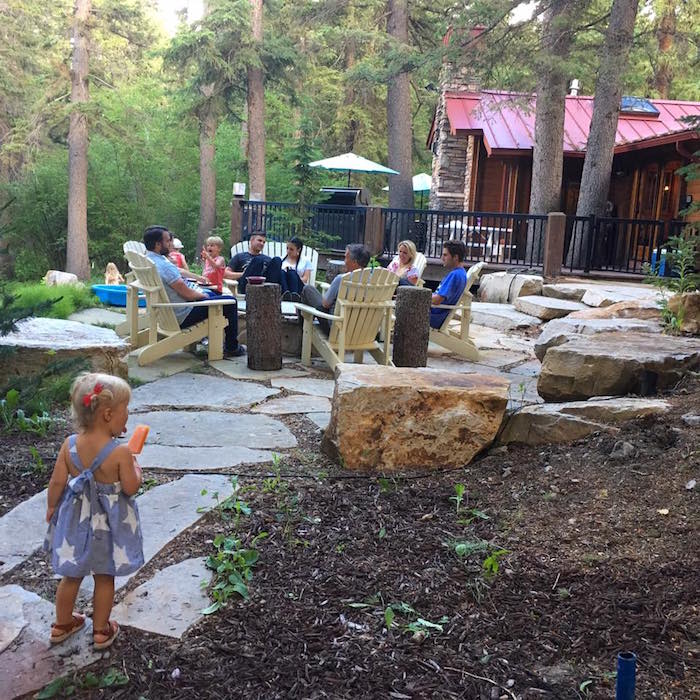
137, 440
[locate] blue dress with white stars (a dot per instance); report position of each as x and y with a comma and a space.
95, 528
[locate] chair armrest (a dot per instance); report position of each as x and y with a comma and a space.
223, 301
315, 312
323, 286
451, 306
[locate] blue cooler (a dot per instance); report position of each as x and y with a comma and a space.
662, 263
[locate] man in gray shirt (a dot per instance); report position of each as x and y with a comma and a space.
356, 258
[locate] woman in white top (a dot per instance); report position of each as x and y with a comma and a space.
294, 262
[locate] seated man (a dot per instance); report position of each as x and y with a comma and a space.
453, 284
157, 242
250, 263
357, 257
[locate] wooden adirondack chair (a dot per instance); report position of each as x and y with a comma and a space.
124, 328
275, 249
459, 342
163, 334
364, 304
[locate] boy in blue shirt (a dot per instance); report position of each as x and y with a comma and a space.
452, 286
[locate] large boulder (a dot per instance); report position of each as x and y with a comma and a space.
689, 303
504, 287
40, 341
646, 309
502, 317
566, 422
546, 308
558, 331
615, 364
55, 278
389, 419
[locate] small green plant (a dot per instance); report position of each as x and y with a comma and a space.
681, 255
15, 419
491, 564
38, 466
472, 514
147, 485
460, 491
66, 686
373, 263
233, 566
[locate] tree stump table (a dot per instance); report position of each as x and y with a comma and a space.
264, 326
333, 269
412, 327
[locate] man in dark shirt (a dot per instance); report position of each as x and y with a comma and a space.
250, 263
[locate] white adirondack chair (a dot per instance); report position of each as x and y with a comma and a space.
163, 334
276, 249
459, 341
124, 328
364, 304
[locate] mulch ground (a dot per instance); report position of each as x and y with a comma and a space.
600, 556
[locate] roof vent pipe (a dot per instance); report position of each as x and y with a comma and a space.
574, 87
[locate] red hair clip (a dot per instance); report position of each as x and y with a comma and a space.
87, 399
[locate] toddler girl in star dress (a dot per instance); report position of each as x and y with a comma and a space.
94, 527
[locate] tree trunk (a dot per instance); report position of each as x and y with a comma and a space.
398, 115
548, 150
597, 165
256, 112
207, 175
349, 100
77, 260
665, 35
412, 327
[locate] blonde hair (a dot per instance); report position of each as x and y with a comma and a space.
94, 390
111, 269
412, 251
215, 240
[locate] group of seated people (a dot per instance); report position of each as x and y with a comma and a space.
292, 273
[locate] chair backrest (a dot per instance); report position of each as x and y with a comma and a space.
465, 300
374, 288
135, 247
420, 263
278, 249
147, 276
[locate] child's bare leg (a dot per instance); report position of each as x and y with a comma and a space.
66, 593
102, 602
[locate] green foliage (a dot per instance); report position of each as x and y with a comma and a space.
67, 686
54, 302
491, 564
14, 418
460, 491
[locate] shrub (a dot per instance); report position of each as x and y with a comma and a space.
67, 298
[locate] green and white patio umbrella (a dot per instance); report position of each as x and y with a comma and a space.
421, 183
352, 163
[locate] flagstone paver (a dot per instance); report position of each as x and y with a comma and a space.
214, 429
189, 390
170, 602
22, 532
164, 367
306, 385
175, 458
294, 404
98, 317
27, 661
321, 419
503, 317
237, 368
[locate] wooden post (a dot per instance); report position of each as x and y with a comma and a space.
264, 326
554, 244
236, 220
412, 327
374, 230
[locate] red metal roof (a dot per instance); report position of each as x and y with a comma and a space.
507, 121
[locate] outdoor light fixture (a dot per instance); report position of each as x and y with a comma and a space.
239, 189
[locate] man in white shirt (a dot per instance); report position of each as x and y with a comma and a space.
157, 242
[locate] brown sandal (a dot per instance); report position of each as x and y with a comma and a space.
67, 629
110, 632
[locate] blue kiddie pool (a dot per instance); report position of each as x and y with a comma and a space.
114, 294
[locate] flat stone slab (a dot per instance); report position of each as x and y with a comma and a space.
596, 294
164, 367
566, 422
486, 338
616, 364
531, 368
22, 531
170, 602
98, 317
307, 385
503, 317
320, 419
504, 287
501, 359
546, 308
27, 661
237, 368
213, 429
560, 330
169, 509
294, 404
195, 459
189, 390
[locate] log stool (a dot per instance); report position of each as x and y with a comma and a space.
264, 326
412, 327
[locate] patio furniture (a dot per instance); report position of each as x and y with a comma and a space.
364, 304
459, 342
163, 334
132, 297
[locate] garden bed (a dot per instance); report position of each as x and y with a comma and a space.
601, 556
